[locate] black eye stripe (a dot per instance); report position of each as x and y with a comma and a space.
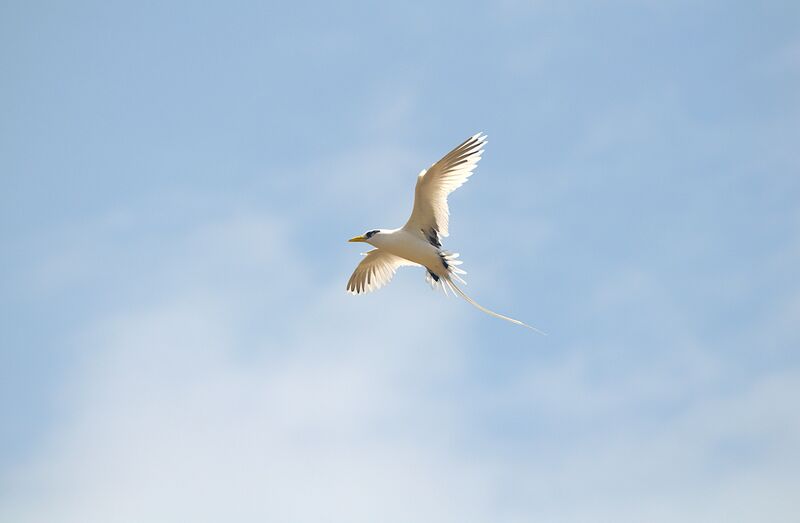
370, 234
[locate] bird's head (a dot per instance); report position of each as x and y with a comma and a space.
367, 237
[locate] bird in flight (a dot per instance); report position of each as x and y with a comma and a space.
418, 242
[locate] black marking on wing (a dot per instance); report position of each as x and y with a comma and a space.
435, 278
432, 236
444, 261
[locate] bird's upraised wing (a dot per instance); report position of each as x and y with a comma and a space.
430, 215
375, 271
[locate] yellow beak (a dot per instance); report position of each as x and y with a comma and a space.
361, 238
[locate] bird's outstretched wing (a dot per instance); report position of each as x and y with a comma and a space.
375, 271
430, 215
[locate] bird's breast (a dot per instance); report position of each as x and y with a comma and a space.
414, 248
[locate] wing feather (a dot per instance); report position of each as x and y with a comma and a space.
431, 213
375, 270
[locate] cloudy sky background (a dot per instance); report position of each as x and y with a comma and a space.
177, 182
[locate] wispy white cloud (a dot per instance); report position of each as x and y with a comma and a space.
189, 405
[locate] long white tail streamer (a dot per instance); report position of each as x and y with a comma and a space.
487, 311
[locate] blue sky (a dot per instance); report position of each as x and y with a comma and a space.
177, 182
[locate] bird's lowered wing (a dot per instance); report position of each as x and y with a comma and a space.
375, 271
431, 214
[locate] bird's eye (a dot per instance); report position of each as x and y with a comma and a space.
370, 234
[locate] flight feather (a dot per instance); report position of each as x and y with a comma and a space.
375, 270
431, 213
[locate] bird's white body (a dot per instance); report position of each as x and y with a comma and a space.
412, 247
418, 242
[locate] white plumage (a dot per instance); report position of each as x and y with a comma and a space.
375, 271
437, 182
418, 242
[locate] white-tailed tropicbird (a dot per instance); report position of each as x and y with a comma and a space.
418, 242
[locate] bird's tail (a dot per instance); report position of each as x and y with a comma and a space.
449, 283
